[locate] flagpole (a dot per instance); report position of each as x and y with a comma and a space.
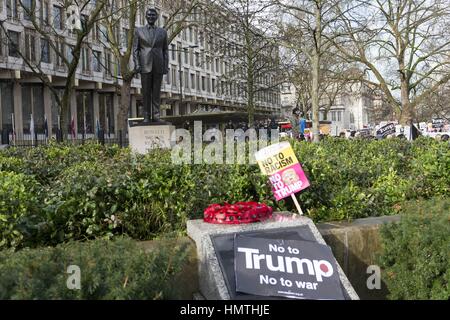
32, 129
13, 128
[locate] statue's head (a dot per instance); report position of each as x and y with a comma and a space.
151, 15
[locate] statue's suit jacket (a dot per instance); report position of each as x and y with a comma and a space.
151, 52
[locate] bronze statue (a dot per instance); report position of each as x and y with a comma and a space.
151, 60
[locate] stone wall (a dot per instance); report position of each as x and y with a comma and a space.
355, 246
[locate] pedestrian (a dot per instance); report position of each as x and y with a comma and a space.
229, 125
295, 123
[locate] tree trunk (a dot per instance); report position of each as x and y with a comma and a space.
64, 111
407, 113
125, 98
250, 88
316, 71
315, 96
251, 105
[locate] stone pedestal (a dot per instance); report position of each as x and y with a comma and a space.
144, 137
212, 281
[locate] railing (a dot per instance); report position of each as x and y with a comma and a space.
38, 139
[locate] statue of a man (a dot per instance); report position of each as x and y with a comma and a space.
151, 60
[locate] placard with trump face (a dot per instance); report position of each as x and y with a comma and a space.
279, 162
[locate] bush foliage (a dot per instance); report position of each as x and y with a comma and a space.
89, 191
416, 252
117, 269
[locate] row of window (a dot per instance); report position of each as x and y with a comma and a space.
97, 61
195, 81
33, 106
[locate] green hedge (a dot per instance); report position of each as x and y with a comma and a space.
90, 191
416, 252
117, 269
19, 209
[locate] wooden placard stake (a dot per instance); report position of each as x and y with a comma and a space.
297, 204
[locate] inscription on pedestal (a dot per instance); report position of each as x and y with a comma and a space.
144, 138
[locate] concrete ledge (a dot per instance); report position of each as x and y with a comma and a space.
356, 245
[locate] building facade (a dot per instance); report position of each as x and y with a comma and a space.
194, 83
355, 107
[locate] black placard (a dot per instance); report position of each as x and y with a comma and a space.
286, 268
386, 130
224, 248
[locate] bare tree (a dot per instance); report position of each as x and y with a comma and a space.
309, 31
65, 39
437, 106
244, 39
336, 75
405, 44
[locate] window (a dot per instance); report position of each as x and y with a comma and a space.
197, 60
45, 51
352, 117
96, 61
192, 81
333, 116
7, 102
84, 21
95, 32
85, 112
125, 38
106, 112
103, 35
339, 116
32, 106
168, 77
203, 83
13, 45
174, 53
108, 64
186, 78
174, 77
86, 67
30, 46
186, 56
57, 18
197, 80
69, 55
44, 12
12, 9
213, 85
60, 46
27, 6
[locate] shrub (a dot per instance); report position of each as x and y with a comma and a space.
19, 209
431, 168
88, 191
416, 256
117, 269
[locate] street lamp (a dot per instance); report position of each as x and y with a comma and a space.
182, 49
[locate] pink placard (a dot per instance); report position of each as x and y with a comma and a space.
288, 181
